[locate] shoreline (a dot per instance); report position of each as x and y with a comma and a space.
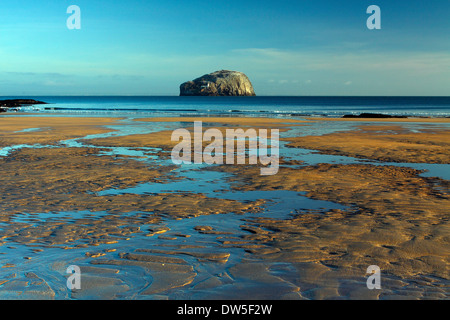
123, 114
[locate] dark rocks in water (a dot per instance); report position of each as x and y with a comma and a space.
219, 83
16, 103
372, 115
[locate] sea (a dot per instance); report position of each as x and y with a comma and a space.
270, 106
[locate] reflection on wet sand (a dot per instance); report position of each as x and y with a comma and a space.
102, 193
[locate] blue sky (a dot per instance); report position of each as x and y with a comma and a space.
146, 47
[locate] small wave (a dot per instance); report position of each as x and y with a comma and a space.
272, 107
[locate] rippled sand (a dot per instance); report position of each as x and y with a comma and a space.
179, 245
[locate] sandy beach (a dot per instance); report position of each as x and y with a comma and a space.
103, 194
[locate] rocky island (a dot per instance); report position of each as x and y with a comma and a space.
16, 103
219, 83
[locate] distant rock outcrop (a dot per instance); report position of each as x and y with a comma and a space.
16, 103
372, 115
219, 83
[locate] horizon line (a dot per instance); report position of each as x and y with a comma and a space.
265, 96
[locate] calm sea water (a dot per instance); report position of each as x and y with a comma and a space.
246, 106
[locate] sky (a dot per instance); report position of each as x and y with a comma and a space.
293, 48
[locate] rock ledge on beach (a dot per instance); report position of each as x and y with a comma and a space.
372, 115
219, 83
16, 103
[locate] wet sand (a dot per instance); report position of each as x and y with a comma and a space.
384, 142
51, 129
401, 120
189, 245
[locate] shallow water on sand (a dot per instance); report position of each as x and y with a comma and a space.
51, 263
221, 236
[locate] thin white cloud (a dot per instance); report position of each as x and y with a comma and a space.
414, 61
370, 72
